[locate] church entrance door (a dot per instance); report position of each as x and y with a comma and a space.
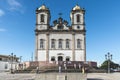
60, 58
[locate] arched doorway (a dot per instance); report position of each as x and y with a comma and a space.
60, 58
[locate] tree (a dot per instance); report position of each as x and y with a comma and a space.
113, 65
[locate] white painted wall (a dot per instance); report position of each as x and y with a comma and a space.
8, 66
41, 55
79, 55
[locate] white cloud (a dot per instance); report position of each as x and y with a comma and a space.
2, 30
14, 5
1, 12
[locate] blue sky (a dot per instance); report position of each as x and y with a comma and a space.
17, 25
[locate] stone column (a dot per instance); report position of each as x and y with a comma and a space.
84, 47
36, 47
73, 46
47, 47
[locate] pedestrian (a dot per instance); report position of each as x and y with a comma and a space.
83, 70
59, 69
37, 70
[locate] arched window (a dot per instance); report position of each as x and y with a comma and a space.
52, 43
67, 43
78, 43
52, 58
42, 18
60, 43
41, 43
78, 18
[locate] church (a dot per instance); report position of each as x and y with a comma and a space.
60, 41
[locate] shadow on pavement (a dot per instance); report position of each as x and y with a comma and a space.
94, 79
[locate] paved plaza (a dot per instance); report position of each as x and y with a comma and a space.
52, 76
103, 76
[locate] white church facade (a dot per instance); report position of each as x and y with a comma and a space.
60, 42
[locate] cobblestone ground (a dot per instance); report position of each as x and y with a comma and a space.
42, 76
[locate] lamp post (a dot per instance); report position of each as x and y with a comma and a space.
108, 57
12, 58
20, 58
20, 62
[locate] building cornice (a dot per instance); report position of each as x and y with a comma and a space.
60, 31
81, 10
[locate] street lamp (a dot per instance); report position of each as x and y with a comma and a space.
108, 57
12, 58
20, 62
20, 59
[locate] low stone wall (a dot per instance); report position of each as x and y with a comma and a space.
61, 76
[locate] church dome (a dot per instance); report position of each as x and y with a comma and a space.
43, 7
76, 7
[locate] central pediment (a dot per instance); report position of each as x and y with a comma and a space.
60, 24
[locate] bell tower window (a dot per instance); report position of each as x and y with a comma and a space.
78, 18
42, 18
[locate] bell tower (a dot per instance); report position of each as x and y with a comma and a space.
42, 18
77, 18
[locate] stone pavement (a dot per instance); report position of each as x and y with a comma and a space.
43, 76
8, 76
60, 76
103, 76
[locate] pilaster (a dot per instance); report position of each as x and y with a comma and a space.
36, 52
47, 47
73, 46
84, 47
